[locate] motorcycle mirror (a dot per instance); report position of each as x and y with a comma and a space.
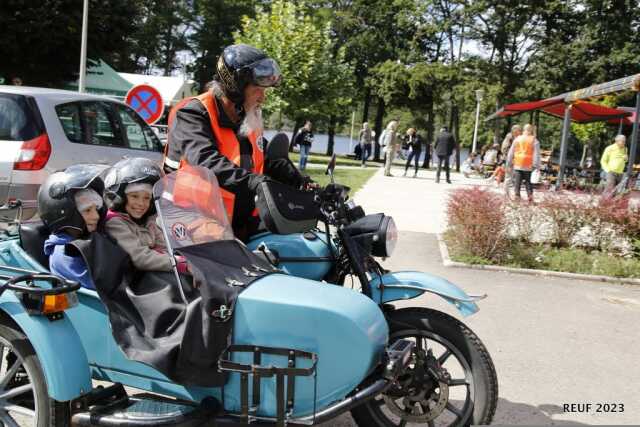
278, 147
331, 167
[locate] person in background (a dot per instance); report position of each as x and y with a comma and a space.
304, 139
469, 166
516, 131
413, 141
389, 140
491, 158
524, 157
613, 162
445, 144
365, 138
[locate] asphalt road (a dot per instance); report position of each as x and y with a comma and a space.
553, 341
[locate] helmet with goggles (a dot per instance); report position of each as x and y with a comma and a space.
64, 194
241, 65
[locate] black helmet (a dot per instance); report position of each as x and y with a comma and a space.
125, 172
56, 203
240, 65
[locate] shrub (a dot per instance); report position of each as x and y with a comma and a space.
566, 216
477, 224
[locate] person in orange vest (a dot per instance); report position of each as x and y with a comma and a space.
524, 158
221, 130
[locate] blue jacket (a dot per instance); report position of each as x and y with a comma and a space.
61, 264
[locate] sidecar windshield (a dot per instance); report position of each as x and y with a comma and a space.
191, 206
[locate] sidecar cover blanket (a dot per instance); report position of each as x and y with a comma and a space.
149, 320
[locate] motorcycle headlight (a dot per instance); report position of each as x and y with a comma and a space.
384, 241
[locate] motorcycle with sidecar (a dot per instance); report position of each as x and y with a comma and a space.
281, 346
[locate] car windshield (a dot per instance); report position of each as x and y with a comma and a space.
191, 207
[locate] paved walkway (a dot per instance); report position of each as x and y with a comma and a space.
554, 341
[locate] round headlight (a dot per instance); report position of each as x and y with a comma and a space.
391, 237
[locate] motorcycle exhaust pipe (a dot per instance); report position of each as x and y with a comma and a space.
331, 412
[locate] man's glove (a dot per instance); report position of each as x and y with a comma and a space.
308, 184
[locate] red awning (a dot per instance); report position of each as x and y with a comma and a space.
627, 121
581, 112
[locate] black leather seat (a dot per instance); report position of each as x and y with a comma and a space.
32, 237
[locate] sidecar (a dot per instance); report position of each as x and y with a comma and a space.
300, 353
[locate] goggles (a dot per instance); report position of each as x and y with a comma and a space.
265, 73
86, 198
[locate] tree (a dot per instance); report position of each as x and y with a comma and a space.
316, 78
215, 22
40, 40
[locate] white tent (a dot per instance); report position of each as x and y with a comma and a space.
172, 89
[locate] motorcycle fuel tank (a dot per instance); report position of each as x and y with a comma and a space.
300, 254
346, 330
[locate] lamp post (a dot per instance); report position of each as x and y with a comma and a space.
83, 47
479, 95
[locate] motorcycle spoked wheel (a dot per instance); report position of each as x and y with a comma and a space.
23, 391
451, 379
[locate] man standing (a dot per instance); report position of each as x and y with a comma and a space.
366, 136
222, 131
304, 139
445, 143
613, 161
388, 139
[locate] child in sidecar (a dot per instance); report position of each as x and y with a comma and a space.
71, 206
131, 219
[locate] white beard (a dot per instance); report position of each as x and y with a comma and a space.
252, 122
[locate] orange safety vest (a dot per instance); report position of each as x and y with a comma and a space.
229, 146
523, 152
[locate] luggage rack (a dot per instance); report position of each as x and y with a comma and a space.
284, 403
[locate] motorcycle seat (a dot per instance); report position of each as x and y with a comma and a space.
32, 237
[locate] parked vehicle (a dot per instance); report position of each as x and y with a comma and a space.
43, 130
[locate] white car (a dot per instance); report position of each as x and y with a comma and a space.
44, 130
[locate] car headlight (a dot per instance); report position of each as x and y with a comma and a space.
384, 241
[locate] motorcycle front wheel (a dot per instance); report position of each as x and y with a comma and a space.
451, 380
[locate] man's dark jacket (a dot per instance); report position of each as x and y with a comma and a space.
193, 139
445, 144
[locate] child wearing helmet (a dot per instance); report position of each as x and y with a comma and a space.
131, 219
71, 206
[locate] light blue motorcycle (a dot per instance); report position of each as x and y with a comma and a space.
451, 380
299, 351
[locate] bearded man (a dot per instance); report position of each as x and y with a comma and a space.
221, 130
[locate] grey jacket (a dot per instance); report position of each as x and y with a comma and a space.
144, 244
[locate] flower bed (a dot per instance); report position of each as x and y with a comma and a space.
563, 232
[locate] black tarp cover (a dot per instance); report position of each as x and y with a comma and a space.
149, 320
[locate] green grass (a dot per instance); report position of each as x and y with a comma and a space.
323, 160
570, 260
353, 178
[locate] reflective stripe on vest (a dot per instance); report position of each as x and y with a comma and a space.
523, 152
229, 146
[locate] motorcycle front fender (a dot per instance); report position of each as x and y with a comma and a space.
403, 285
58, 348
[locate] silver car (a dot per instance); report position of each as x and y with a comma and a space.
45, 130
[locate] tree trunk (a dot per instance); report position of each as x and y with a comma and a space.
365, 107
429, 138
296, 127
332, 132
378, 128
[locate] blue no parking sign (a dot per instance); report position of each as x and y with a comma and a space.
146, 101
